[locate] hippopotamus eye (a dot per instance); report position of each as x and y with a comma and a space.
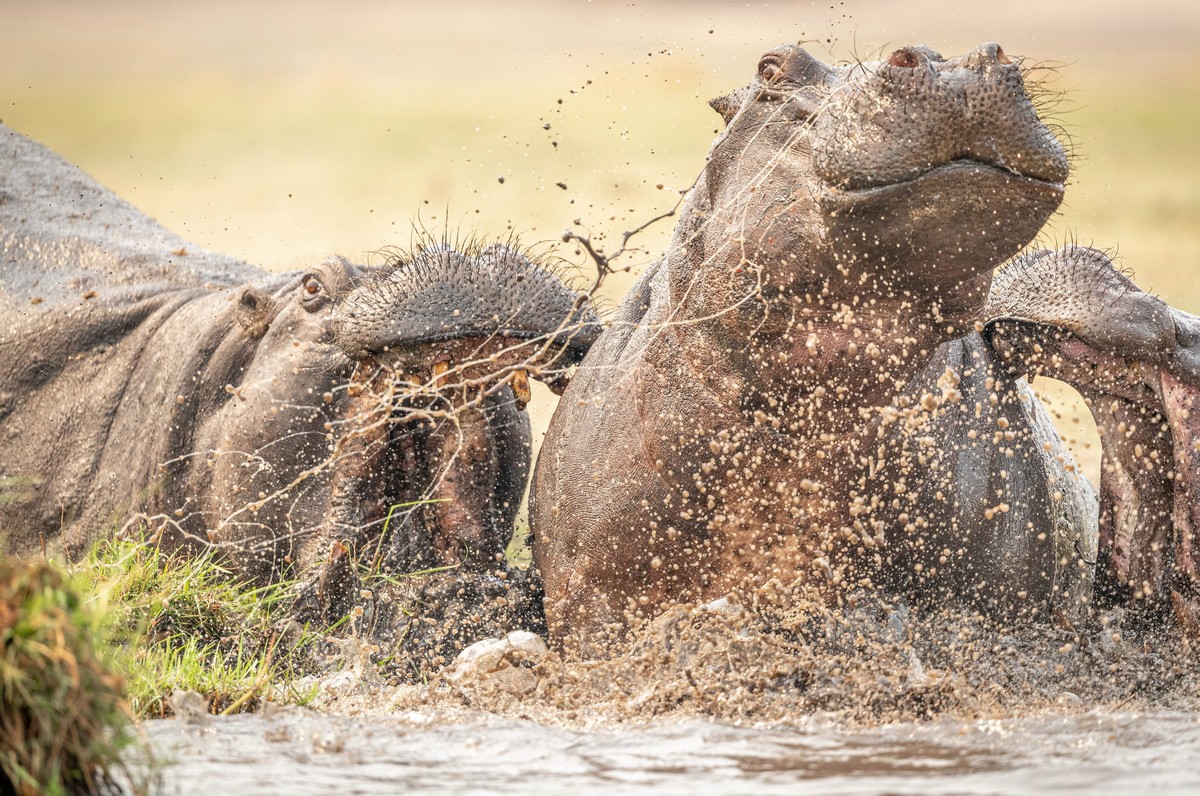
768, 70
314, 293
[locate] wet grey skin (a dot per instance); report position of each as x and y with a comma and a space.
144, 379
820, 382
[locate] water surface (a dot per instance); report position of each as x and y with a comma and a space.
301, 752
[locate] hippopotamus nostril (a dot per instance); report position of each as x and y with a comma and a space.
986, 55
904, 58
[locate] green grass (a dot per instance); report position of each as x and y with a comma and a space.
175, 623
190, 625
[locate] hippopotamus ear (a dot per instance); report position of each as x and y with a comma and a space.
795, 65
255, 310
730, 104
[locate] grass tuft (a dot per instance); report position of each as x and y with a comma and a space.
63, 721
199, 628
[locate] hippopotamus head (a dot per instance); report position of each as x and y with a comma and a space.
363, 389
431, 443
918, 172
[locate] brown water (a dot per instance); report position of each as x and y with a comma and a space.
300, 752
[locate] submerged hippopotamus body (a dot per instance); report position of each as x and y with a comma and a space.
820, 383
310, 424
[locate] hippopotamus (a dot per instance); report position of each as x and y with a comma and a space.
299, 422
821, 382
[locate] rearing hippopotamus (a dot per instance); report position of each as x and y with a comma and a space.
819, 382
299, 421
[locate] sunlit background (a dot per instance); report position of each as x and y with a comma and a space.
282, 132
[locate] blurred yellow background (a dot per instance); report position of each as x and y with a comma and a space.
282, 132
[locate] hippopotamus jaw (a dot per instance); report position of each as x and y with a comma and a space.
916, 224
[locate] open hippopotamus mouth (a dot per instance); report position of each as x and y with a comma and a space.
425, 440
430, 443
418, 433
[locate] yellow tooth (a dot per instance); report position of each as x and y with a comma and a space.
439, 370
520, 386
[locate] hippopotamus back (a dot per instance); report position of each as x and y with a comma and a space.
62, 234
88, 285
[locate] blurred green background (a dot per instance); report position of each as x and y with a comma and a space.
282, 132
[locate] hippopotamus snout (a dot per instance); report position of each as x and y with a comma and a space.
484, 313
916, 111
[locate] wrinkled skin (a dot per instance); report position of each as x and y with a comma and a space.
798, 390
280, 417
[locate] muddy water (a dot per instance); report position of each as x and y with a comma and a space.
875, 698
301, 752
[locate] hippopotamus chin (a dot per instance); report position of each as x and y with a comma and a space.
818, 384
348, 413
